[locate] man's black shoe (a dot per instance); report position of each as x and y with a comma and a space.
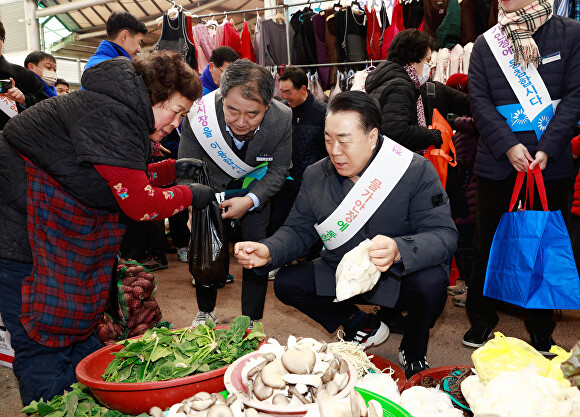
412, 367
476, 336
366, 330
542, 343
393, 318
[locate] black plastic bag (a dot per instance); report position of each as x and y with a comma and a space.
209, 258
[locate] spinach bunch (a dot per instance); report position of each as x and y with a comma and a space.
77, 403
162, 354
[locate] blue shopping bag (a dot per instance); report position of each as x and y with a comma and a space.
531, 263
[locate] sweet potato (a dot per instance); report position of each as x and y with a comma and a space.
142, 282
134, 304
138, 330
138, 292
129, 280
103, 332
151, 304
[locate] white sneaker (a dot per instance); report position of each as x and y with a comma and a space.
193, 281
182, 254
202, 315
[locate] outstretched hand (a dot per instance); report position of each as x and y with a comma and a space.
252, 254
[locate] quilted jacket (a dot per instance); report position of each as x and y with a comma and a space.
397, 95
108, 124
489, 88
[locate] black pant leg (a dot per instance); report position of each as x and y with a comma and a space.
180, 233
281, 204
254, 227
295, 286
492, 200
135, 241
424, 293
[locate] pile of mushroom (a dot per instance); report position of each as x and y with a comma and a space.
292, 375
352, 406
204, 404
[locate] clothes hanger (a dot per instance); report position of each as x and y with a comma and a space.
279, 16
356, 4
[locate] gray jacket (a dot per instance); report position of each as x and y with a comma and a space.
416, 215
273, 139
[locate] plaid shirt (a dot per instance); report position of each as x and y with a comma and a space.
74, 249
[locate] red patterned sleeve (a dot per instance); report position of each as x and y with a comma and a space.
139, 198
162, 173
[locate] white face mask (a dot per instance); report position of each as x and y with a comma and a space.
425, 76
49, 77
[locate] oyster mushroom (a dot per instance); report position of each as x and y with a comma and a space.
354, 405
251, 412
220, 410
262, 391
375, 409
331, 387
312, 380
202, 401
295, 393
331, 371
272, 374
280, 399
156, 412
299, 360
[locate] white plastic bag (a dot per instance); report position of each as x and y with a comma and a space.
356, 274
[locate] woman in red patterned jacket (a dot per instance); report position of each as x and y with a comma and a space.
70, 166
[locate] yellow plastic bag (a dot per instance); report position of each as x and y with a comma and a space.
503, 353
555, 371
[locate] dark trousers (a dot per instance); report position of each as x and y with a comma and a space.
180, 233
492, 200
254, 227
142, 239
282, 203
423, 292
41, 371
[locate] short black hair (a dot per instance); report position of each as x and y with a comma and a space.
2, 31
296, 75
410, 45
223, 54
37, 56
360, 102
61, 81
119, 21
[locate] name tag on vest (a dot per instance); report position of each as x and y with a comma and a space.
367, 195
204, 124
526, 83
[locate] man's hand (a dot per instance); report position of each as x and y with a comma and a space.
519, 157
252, 254
15, 94
237, 207
383, 252
541, 160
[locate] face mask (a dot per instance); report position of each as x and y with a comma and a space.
49, 77
425, 76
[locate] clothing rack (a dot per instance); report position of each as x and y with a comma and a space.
332, 64
259, 9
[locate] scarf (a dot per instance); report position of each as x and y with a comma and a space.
519, 26
420, 108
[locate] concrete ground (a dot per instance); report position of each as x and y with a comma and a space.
176, 297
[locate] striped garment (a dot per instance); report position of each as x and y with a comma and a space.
74, 249
519, 26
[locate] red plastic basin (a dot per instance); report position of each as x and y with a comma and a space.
398, 376
437, 373
139, 397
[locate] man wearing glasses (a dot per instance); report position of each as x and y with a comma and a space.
220, 59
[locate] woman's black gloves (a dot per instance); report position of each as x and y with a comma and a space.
188, 168
436, 138
202, 195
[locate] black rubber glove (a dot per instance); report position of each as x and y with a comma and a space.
451, 119
202, 195
188, 168
436, 138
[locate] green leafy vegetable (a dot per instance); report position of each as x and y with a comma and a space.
162, 353
79, 402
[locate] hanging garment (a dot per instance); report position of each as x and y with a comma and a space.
442, 69
246, 44
358, 82
449, 31
434, 12
316, 89
257, 44
273, 45
204, 44
174, 38
468, 27
319, 26
455, 59
413, 13
385, 23
355, 36
337, 88
232, 38
466, 57
330, 42
304, 41
493, 14
373, 34
481, 21
395, 27
219, 36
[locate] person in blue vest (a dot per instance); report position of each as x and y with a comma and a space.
218, 62
124, 38
44, 66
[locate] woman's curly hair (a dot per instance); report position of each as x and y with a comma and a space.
166, 73
410, 45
